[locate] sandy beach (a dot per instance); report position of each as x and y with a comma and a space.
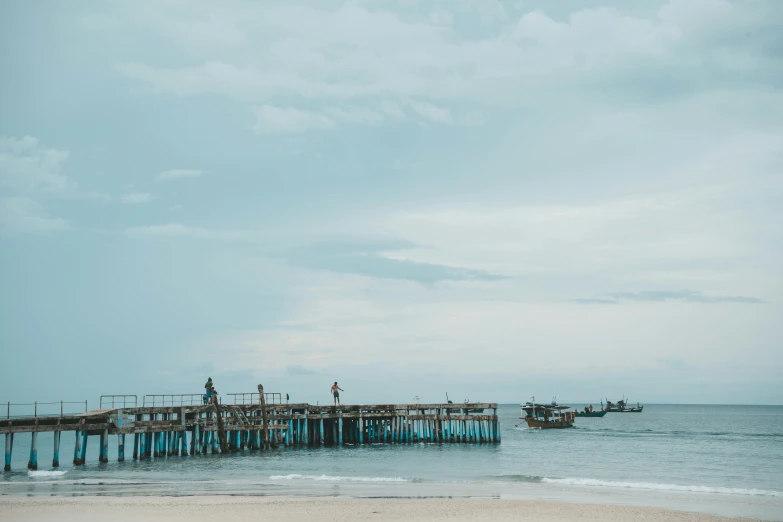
234, 509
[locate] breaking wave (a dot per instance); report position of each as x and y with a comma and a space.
660, 487
330, 478
45, 474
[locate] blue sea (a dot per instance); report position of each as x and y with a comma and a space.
725, 460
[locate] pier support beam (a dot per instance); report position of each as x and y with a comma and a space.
83, 455
194, 443
33, 462
142, 446
9, 447
121, 447
77, 448
56, 456
340, 430
103, 454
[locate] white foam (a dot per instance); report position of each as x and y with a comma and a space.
330, 478
660, 487
46, 473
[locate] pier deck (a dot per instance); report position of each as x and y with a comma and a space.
189, 429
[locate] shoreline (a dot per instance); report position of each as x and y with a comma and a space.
325, 509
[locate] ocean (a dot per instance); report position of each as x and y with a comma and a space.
724, 460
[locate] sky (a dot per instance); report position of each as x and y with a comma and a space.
492, 199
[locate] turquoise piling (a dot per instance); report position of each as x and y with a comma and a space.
56, 455
83, 455
142, 446
104, 449
9, 447
77, 448
194, 440
121, 447
33, 462
340, 430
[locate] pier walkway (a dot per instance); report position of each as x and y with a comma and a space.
169, 425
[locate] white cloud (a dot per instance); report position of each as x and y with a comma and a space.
22, 215
370, 54
137, 197
402, 325
432, 113
288, 120
167, 175
25, 166
680, 238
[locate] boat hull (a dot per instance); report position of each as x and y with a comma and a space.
591, 414
626, 410
545, 425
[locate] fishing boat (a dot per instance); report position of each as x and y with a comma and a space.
547, 416
588, 411
599, 413
621, 407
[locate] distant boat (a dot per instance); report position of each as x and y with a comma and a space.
599, 413
547, 416
622, 407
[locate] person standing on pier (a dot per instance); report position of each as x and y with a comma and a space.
336, 392
209, 389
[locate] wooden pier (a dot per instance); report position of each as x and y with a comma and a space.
181, 425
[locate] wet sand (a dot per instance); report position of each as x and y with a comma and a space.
235, 509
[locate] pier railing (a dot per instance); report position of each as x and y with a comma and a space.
118, 401
43, 409
254, 398
175, 399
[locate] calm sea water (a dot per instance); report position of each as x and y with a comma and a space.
720, 459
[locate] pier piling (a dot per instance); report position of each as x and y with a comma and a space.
77, 448
169, 430
121, 447
32, 463
9, 447
104, 449
56, 455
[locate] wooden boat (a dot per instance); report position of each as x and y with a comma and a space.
599, 413
547, 416
622, 407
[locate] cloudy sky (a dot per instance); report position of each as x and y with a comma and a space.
494, 199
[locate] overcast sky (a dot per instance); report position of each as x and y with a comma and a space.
491, 199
